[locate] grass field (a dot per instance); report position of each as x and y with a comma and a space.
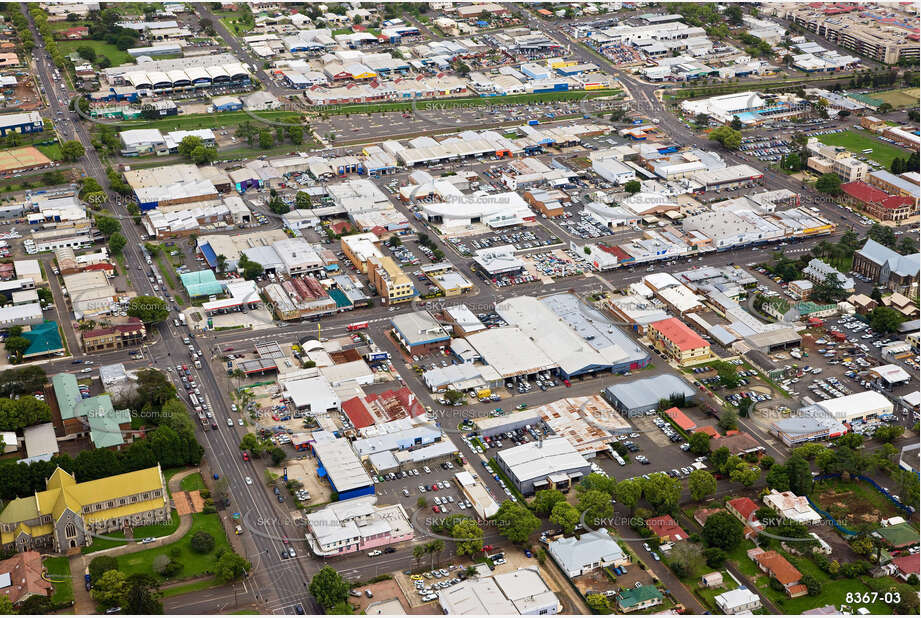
192, 482
883, 153
203, 584
141, 532
52, 151
902, 97
58, 570
439, 104
114, 54
210, 121
193, 564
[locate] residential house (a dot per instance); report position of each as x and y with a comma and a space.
21, 577
593, 550
738, 601
637, 599
666, 528
790, 506
780, 569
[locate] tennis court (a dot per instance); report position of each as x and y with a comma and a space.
20, 159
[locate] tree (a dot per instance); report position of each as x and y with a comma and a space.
107, 225
829, 184
101, 564
35, 605
202, 154
830, 290
662, 491
888, 433
729, 420
736, 123
701, 484
231, 566
746, 475
799, 474
117, 243
566, 516
248, 268
468, 537
278, 455
165, 566
601, 482
202, 542
302, 200
295, 134
17, 346
221, 262
545, 500
595, 507
266, 139
632, 186
6, 606
72, 150
715, 557
142, 597
776, 478
598, 603
109, 590
699, 443
733, 14
149, 309
728, 137
686, 558
722, 530
701, 120
188, 145
885, 319
515, 521
813, 585
628, 492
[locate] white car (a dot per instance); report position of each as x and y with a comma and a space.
375, 553
249, 481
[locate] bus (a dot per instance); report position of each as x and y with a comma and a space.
356, 326
193, 399
867, 151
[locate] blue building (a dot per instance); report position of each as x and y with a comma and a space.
227, 104
25, 122
338, 464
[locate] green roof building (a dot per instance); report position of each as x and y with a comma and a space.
636, 599
45, 338
201, 283
899, 535
104, 422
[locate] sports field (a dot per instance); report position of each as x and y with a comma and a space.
899, 98
18, 159
883, 153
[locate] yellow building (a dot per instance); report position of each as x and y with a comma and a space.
69, 515
451, 283
673, 338
390, 281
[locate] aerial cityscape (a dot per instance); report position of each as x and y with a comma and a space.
466, 308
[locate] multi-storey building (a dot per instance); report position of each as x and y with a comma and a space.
390, 281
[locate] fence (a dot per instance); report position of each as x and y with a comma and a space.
839, 527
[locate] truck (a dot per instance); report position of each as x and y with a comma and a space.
198, 364
356, 326
483, 392
533, 123
182, 318
87, 582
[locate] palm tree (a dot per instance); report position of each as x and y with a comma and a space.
221, 262
85, 325
418, 552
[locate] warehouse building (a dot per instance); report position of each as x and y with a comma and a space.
419, 332
862, 406
588, 423
24, 122
522, 592
510, 352
490, 426
552, 463
483, 503
643, 395
337, 462
809, 425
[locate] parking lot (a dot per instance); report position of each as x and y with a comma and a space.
521, 237
765, 148
582, 226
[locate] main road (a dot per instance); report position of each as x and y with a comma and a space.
278, 585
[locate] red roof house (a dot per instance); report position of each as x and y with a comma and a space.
25, 577
907, 565
681, 419
666, 528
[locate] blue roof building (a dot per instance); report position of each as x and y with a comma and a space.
201, 283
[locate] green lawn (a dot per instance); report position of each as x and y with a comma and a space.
211, 121
706, 594
438, 104
114, 54
57, 570
742, 561
193, 564
883, 153
833, 590
203, 584
52, 151
141, 532
192, 482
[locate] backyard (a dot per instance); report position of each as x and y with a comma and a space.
853, 503
57, 571
883, 153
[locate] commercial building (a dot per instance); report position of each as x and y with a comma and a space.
510, 352
678, 342
593, 550
521, 592
339, 464
129, 332
586, 422
865, 405
360, 248
390, 281
68, 515
24, 122
311, 395
489, 426
554, 463
639, 396
809, 424
483, 503
419, 332
879, 204
355, 525
818, 271
738, 601
21, 315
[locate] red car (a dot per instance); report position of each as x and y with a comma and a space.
434, 487
567, 383
488, 548
245, 456
435, 509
